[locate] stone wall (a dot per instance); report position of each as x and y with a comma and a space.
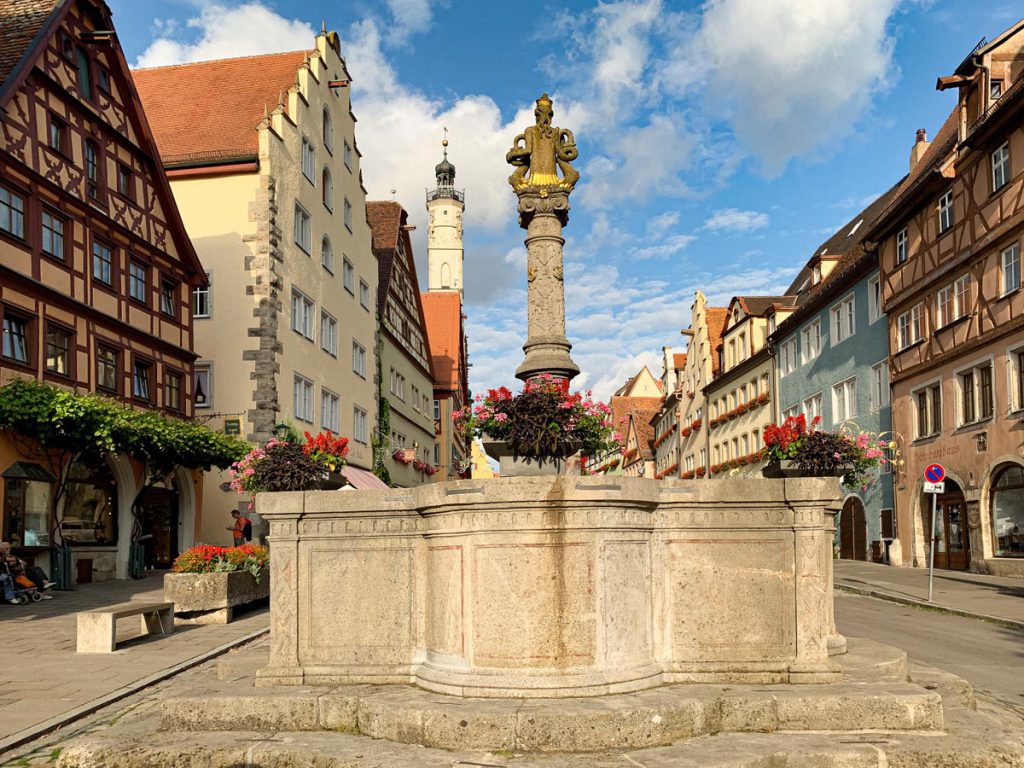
552, 586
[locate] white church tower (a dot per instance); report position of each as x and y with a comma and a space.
445, 205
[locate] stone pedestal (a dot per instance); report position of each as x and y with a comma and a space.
543, 215
552, 586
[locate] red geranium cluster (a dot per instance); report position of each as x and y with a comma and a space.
209, 559
781, 440
327, 448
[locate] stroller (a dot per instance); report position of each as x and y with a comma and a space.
22, 594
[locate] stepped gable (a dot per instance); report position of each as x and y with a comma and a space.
209, 111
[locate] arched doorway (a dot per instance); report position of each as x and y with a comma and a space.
1008, 511
953, 548
853, 530
158, 519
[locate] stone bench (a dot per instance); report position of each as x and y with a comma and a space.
97, 629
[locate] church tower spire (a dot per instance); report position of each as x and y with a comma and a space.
445, 205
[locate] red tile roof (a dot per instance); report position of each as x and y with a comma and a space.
679, 360
642, 416
20, 22
716, 318
210, 110
385, 217
623, 407
443, 313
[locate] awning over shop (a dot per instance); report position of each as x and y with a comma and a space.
26, 470
361, 480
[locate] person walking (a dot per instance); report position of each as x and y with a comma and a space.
241, 531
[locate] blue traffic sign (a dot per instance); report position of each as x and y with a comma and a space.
934, 473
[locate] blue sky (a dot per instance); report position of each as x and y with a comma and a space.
720, 142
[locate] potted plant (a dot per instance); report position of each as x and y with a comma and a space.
794, 449
207, 583
283, 465
543, 424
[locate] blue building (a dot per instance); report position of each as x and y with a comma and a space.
832, 360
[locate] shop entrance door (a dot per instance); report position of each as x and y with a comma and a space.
160, 527
853, 531
953, 550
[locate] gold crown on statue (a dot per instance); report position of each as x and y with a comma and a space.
544, 100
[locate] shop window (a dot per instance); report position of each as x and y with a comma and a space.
27, 497
1008, 511
90, 517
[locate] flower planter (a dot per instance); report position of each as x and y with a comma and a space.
775, 469
210, 598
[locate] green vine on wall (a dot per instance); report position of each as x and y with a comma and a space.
380, 440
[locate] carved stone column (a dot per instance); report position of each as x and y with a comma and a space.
543, 215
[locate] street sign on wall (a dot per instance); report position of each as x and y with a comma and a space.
934, 487
934, 473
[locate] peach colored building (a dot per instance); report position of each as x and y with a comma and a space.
950, 256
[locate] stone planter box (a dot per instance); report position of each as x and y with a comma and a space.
210, 598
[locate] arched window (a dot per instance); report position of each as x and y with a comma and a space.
92, 169
328, 129
1008, 511
327, 254
327, 189
446, 275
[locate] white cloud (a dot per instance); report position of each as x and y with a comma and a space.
410, 17
227, 31
792, 77
669, 246
735, 220
662, 223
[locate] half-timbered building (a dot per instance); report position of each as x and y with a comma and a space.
96, 275
406, 380
950, 257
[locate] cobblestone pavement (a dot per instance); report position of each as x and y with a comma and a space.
43, 679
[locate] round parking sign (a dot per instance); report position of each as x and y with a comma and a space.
934, 473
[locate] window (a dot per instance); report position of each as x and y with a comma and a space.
844, 401
879, 385
125, 182
977, 401
359, 358
946, 211
328, 334
308, 160
415, 398
26, 506
327, 189
58, 350
811, 407
348, 275
347, 155
741, 347
400, 386
92, 169
1008, 511
908, 327
108, 364
901, 246
328, 129
1018, 368
359, 430
1001, 167
172, 391
787, 357
12, 213
995, 90
202, 389
103, 78
202, 298
844, 320
791, 412
816, 274
303, 309
303, 399
169, 298
53, 235
16, 338
364, 294
83, 65
437, 455
58, 137
330, 409
1009, 274
327, 254
138, 277
944, 306
102, 262
930, 421
348, 215
874, 299
810, 341
961, 296
437, 410
142, 370
771, 324
303, 229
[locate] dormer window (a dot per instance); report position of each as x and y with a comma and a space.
816, 274
995, 90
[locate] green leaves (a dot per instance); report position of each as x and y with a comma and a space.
93, 427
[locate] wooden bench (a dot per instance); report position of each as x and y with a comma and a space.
97, 629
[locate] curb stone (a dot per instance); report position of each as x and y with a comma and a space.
879, 594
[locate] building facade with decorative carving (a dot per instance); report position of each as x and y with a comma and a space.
263, 162
96, 279
949, 248
406, 380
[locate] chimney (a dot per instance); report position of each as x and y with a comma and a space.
921, 145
